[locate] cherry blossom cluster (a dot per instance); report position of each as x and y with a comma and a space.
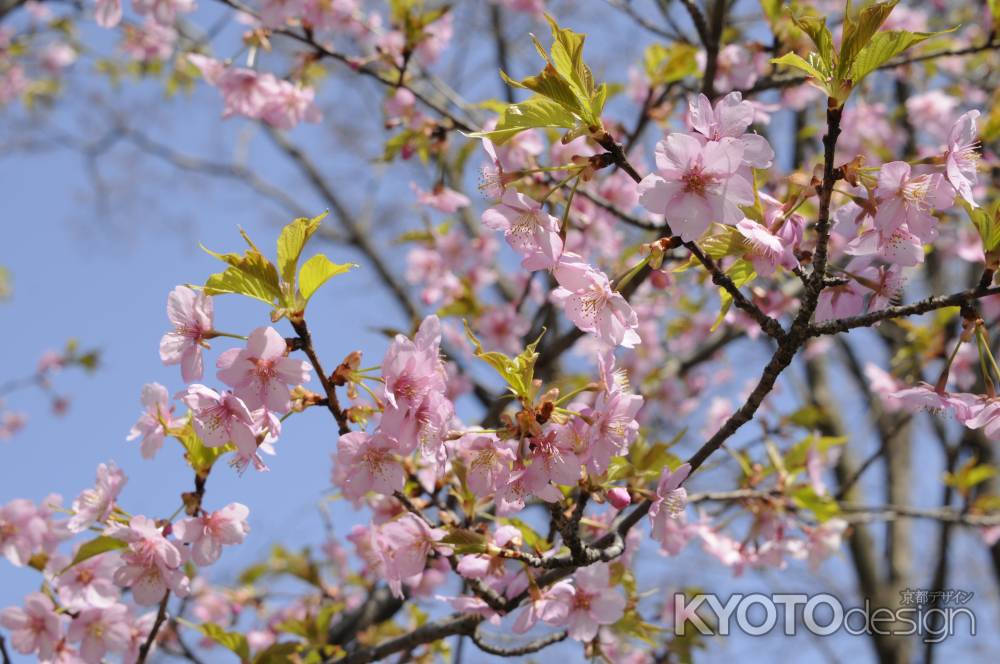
83, 613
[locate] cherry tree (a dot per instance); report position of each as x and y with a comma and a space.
576, 382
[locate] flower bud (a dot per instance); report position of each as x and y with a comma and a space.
619, 498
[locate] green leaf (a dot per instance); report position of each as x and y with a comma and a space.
291, 242
566, 93
824, 507
533, 113
883, 47
317, 271
741, 272
278, 653
532, 538
517, 371
668, 64
199, 456
251, 274
6, 283
969, 475
987, 223
95, 547
233, 641
795, 60
464, 541
815, 27
551, 85
858, 31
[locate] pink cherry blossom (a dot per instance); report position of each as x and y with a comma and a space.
824, 540
402, 547
962, 156
666, 514
151, 565
737, 67
89, 583
614, 427
533, 7
287, 104
767, 251
910, 200
487, 462
337, 15
164, 11
926, 397
154, 422
108, 13
441, 198
274, 13
139, 629
368, 463
481, 566
207, 534
553, 460
840, 301
593, 603
101, 630
190, 312
36, 628
22, 531
260, 373
417, 413
502, 327
221, 418
552, 607
696, 184
933, 111
899, 247
95, 505
731, 117
589, 301
529, 230
149, 41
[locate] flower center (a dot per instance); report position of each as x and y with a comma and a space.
696, 181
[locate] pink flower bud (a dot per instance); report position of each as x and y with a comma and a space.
619, 498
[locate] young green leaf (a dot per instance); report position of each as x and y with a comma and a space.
741, 272
566, 95
465, 541
95, 547
317, 271
815, 27
233, 641
884, 46
859, 30
798, 62
251, 274
669, 64
291, 242
533, 113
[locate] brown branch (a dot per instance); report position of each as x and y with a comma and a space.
518, 651
455, 624
3, 651
333, 403
161, 616
902, 311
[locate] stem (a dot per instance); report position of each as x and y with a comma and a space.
215, 333
333, 403
161, 616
